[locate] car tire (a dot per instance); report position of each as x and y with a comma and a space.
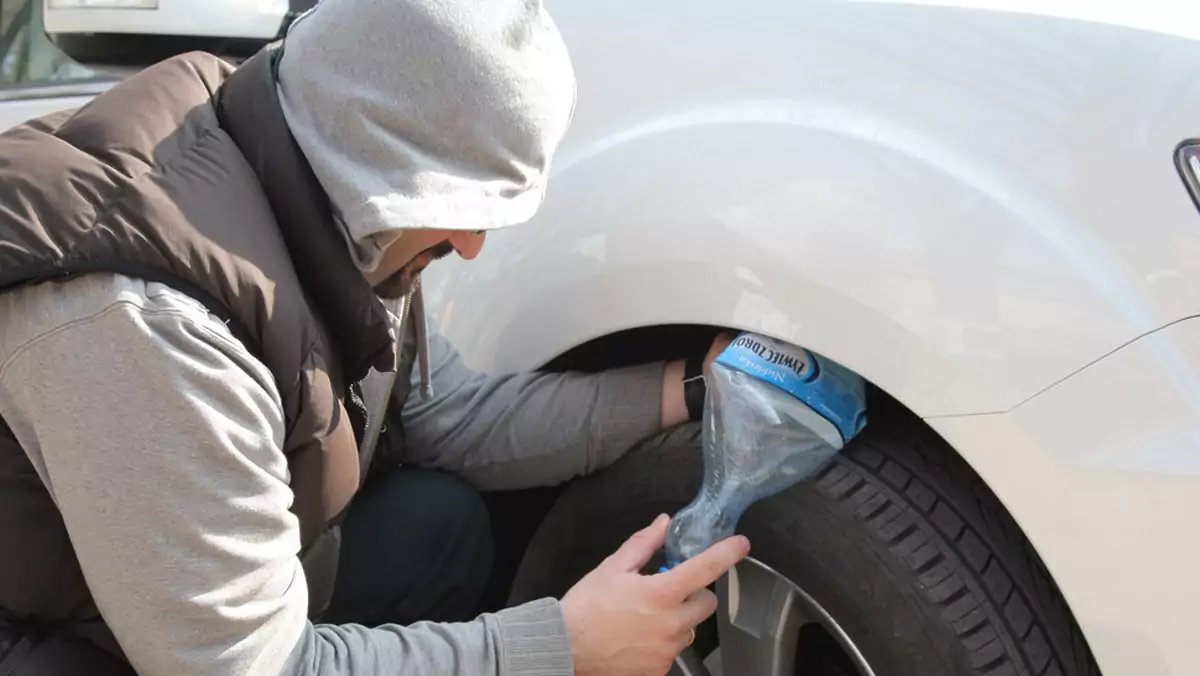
896, 538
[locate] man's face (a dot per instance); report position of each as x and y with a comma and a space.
413, 252
401, 281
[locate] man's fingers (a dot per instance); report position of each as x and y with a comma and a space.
698, 607
708, 566
695, 609
642, 545
683, 641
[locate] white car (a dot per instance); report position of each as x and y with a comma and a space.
987, 208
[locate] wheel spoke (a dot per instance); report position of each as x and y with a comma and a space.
759, 621
689, 664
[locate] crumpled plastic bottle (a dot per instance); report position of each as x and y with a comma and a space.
775, 414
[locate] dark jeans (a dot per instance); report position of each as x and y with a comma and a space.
23, 653
416, 545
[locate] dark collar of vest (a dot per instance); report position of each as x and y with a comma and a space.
249, 110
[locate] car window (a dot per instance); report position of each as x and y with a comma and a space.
28, 59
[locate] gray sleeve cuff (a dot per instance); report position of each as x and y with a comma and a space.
629, 410
534, 640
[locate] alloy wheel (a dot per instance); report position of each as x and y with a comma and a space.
761, 621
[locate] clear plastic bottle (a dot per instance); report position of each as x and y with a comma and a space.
775, 414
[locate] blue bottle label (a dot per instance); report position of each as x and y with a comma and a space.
833, 391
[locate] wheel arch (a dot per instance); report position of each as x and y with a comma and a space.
878, 251
889, 416
648, 343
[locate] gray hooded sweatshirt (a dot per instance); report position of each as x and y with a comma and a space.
145, 417
420, 114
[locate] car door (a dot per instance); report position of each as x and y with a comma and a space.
36, 78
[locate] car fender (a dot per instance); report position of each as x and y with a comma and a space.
953, 224
972, 208
959, 289
1102, 473
954, 286
952, 201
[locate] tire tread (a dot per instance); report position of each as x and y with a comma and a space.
992, 575
929, 510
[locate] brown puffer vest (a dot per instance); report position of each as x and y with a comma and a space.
186, 174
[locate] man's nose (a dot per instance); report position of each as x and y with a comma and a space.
468, 244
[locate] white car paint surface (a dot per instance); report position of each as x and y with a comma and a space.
968, 205
259, 19
972, 203
1100, 472
16, 111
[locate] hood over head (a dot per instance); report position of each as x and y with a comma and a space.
426, 113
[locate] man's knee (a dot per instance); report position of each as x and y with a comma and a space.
416, 545
25, 652
459, 549
440, 513
459, 517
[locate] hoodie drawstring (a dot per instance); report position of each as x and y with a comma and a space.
410, 305
420, 328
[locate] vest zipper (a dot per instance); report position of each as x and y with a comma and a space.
375, 418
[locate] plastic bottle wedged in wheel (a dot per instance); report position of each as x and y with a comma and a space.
774, 415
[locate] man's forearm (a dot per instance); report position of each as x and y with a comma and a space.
528, 639
528, 429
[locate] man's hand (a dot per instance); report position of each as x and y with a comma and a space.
718, 346
622, 623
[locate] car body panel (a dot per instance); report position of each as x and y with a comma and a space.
36, 103
972, 208
1102, 474
963, 206
253, 19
